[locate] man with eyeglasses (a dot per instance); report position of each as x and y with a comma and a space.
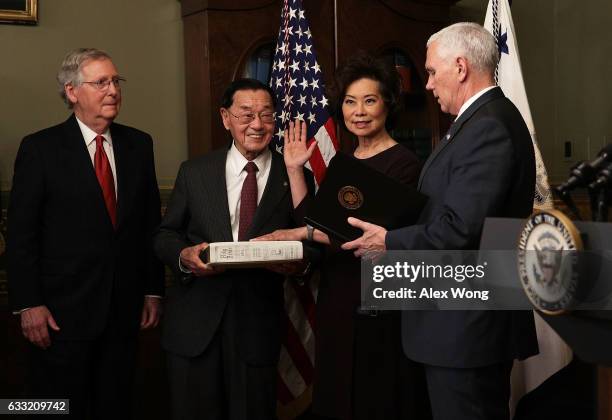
82, 273
222, 329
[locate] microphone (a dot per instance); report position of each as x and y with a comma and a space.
585, 172
604, 178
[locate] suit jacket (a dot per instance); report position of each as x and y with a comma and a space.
198, 212
63, 251
484, 168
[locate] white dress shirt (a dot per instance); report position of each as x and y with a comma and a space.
472, 100
90, 141
235, 176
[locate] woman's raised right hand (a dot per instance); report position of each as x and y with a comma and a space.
296, 153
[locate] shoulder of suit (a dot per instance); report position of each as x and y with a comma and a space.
494, 97
128, 131
492, 104
46, 139
216, 157
45, 133
498, 108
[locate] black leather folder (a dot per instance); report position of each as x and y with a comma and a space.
353, 189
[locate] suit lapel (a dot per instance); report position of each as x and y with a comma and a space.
77, 156
445, 141
276, 188
215, 189
122, 149
456, 126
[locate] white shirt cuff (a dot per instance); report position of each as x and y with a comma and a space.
183, 269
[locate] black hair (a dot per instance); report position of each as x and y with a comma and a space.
363, 65
244, 84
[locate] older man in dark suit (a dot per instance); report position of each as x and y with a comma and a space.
222, 329
82, 273
484, 167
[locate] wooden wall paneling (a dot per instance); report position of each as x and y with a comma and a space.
376, 25
434, 11
195, 6
197, 83
322, 29
219, 34
215, 41
604, 397
231, 34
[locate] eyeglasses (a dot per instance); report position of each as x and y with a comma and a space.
265, 117
104, 84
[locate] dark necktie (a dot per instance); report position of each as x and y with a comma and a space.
105, 178
248, 200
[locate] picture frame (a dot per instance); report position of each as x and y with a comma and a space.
19, 11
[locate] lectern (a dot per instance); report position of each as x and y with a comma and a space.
588, 332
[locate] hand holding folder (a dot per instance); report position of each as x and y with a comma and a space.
353, 189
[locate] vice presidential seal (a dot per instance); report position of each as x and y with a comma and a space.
350, 197
548, 261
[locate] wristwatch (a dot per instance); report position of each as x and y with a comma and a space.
309, 232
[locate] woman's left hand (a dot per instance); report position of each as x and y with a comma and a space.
296, 234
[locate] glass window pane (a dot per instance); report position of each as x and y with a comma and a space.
259, 64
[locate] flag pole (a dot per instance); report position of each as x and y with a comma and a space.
335, 34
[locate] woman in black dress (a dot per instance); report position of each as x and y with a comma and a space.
360, 369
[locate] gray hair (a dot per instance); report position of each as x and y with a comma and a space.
70, 72
471, 41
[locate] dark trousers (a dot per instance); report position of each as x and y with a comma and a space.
386, 384
95, 375
219, 384
471, 394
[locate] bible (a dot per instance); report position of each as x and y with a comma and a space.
251, 253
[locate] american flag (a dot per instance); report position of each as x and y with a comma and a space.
297, 81
554, 354
509, 77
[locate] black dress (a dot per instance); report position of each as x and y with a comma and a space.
360, 369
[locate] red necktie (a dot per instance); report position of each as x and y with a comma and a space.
105, 178
248, 200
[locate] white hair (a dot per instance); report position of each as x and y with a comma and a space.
70, 71
471, 41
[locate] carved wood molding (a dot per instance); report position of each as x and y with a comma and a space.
435, 11
189, 7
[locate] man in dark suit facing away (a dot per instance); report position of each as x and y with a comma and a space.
484, 167
222, 329
81, 269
